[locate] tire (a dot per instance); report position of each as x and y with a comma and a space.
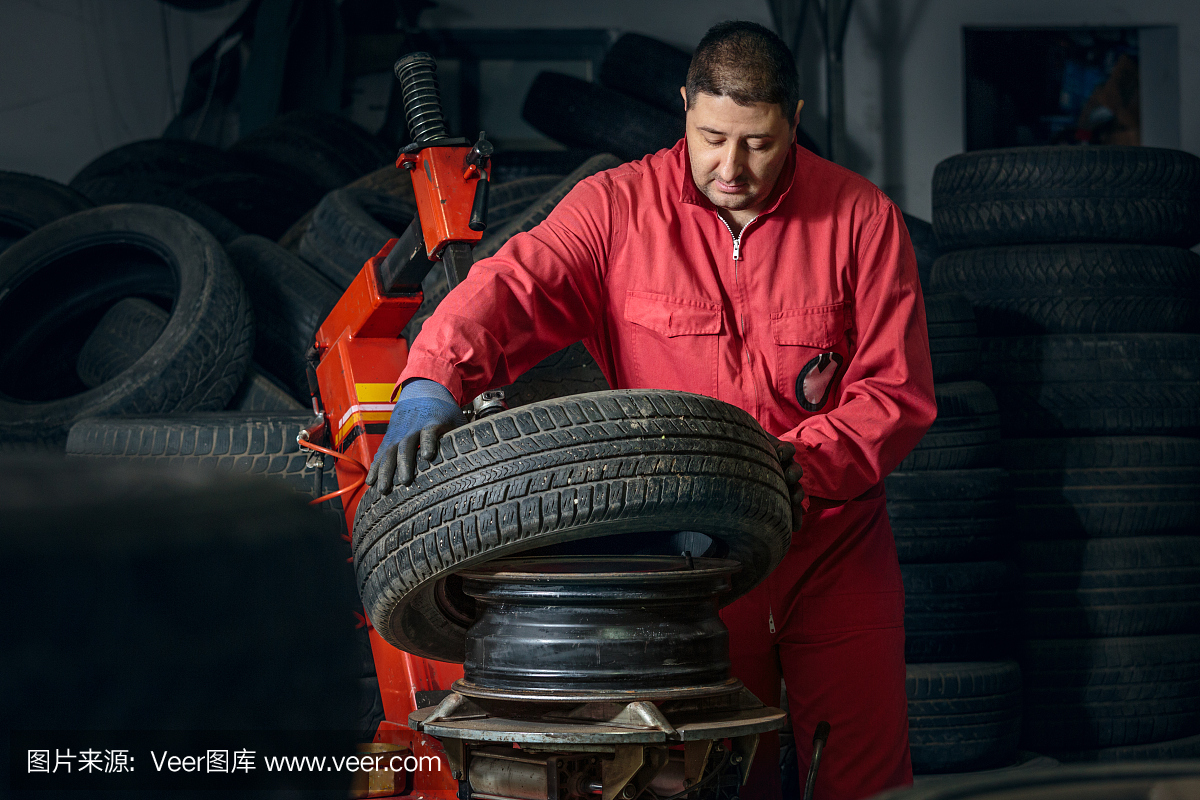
942, 516
28, 202
123, 335
435, 288
1143, 586
1188, 747
290, 300
1095, 384
168, 578
582, 467
963, 716
587, 115
966, 433
1034, 195
261, 392
260, 204
1076, 288
166, 162
509, 200
59, 281
953, 341
648, 70
256, 444
571, 370
1132, 669
512, 165
349, 227
105, 191
319, 150
925, 248
1105, 486
955, 612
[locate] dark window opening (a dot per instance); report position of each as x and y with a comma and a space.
1058, 86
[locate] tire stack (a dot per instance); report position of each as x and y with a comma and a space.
1088, 305
945, 503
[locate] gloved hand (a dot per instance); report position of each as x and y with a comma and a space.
424, 411
786, 453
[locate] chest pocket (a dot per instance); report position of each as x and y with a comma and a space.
809, 354
673, 341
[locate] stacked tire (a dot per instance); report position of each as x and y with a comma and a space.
945, 503
1088, 305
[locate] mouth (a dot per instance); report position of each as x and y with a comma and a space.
729, 188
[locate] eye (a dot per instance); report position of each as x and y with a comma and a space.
714, 142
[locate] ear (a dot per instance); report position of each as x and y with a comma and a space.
796, 117
683, 94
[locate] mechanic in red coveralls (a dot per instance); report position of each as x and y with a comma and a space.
739, 266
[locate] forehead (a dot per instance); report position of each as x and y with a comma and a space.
723, 114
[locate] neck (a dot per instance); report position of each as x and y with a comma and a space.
736, 219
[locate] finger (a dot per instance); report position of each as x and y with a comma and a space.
792, 474
406, 459
786, 451
430, 435
373, 472
386, 459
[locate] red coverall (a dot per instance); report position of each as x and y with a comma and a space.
813, 322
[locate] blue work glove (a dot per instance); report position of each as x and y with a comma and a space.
424, 411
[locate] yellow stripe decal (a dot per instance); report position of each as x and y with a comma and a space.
374, 392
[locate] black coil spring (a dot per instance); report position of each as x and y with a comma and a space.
417, 73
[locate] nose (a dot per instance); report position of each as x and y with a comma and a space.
731, 163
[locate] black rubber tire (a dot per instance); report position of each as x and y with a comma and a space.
1142, 586
509, 200
28, 202
167, 162
104, 191
953, 340
318, 149
349, 227
587, 115
388, 180
955, 612
966, 433
123, 335
1095, 384
290, 299
1076, 288
925, 248
941, 516
261, 204
581, 467
647, 69
963, 716
252, 443
927, 494
262, 392
435, 288
57, 283
1031, 195
1130, 669
1105, 486
193, 600
1187, 747
512, 165
571, 370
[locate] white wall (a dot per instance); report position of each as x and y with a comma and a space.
80, 77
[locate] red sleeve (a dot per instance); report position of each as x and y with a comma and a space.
887, 400
541, 292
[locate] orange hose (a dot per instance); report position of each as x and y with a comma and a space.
353, 462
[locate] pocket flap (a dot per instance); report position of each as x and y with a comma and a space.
672, 316
816, 326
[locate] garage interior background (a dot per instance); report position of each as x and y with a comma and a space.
85, 76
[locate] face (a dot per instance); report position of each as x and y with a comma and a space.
737, 152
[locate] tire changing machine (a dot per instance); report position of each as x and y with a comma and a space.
584, 677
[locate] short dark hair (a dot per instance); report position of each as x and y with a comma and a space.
746, 63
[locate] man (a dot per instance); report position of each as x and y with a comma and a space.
739, 266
